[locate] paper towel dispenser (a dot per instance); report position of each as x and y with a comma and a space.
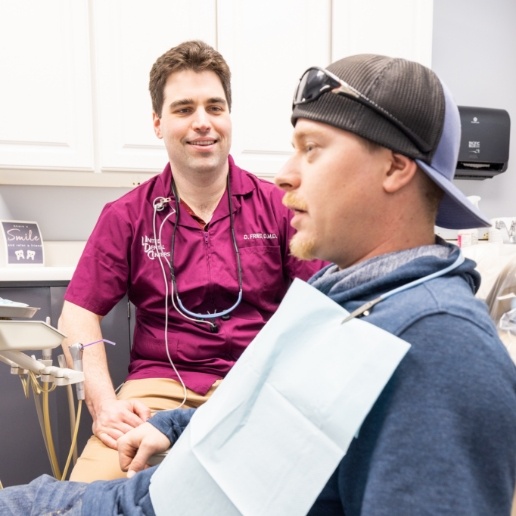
484, 147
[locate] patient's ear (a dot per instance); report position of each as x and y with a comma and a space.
400, 173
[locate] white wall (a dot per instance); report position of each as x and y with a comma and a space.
62, 213
474, 44
473, 52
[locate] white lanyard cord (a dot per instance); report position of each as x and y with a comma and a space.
367, 306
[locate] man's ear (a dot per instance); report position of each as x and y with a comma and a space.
156, 122
401, 172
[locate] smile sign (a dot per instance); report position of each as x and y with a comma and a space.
23, 243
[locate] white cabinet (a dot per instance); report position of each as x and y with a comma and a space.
401, 28
270, 43
75, 95
45, 90
128, 37
75, 86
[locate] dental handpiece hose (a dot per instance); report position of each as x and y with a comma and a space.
76, 353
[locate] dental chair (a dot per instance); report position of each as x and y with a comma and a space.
501, 302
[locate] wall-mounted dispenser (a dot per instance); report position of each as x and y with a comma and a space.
484, 147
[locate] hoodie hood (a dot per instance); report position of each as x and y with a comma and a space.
381, 274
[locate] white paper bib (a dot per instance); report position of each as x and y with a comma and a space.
276, 429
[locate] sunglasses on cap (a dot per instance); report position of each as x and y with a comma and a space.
316, 81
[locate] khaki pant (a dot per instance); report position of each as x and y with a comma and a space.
97, 461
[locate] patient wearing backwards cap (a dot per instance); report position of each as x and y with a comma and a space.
375, 146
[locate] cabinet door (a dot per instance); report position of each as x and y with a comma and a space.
45, 100
129, 36
399, 28
268, 45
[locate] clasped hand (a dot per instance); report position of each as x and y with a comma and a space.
115, 418
138, 445
121, 425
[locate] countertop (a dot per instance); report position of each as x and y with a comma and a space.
62, 257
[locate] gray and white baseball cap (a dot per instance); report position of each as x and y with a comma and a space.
401, 105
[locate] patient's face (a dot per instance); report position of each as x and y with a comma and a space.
333, 185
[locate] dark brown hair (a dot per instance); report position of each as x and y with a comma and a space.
190, 55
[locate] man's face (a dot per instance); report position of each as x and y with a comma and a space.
333, 182
194, 123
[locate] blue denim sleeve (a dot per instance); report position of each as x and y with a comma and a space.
172, 422
119, 497
131, 496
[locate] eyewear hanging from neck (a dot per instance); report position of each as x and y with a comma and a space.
175, 292
316, 81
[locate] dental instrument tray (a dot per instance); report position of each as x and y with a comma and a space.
24, 312
28, 336
10, 309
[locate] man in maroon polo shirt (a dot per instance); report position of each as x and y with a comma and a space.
201, 250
